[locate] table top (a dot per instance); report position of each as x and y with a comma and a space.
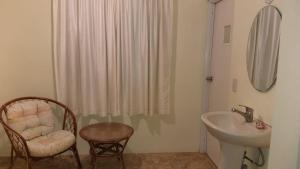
106, 132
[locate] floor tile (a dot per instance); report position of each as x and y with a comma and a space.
132, 161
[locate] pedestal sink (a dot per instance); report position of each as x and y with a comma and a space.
234, 134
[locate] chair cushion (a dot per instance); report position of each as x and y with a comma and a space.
34, 132
30, 118
51, 144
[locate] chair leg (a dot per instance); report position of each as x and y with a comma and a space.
122, 160
75, 152
11, 158
28, 163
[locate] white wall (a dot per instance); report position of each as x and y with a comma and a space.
26, 69
285, 145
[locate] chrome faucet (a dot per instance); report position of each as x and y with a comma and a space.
248, 115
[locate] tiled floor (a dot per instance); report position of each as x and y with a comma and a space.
132, 161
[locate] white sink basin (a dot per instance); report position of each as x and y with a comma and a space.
231, 128
234, 134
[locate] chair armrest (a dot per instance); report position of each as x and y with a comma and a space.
17, 141
70, 123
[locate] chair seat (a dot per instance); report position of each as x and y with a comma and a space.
51, 144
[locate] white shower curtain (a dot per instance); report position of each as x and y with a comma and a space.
113, 56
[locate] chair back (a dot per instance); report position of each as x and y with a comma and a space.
30, 118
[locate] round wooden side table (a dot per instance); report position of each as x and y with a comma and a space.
106, 140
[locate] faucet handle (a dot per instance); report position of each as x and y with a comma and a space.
248, 109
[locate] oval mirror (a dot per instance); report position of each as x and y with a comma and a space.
263, 48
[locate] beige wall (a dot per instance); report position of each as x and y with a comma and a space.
221, 55
26, 69
25, 52
244, 13
285, 145
263, 103
25, 49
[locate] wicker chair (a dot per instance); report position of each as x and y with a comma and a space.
29, 125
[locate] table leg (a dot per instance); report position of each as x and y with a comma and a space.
93, 161
93, 157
